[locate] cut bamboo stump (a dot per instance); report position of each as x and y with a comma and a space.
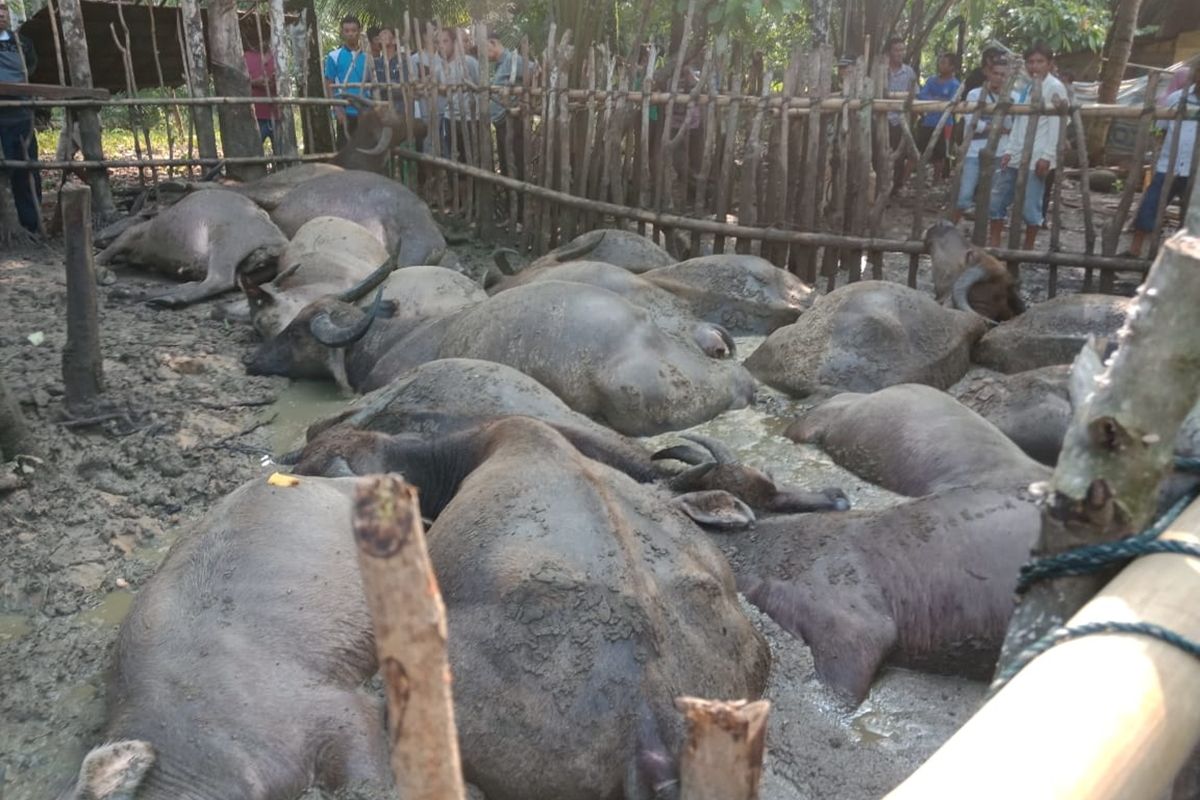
83, 376
723, 754
1100, 717
410, 639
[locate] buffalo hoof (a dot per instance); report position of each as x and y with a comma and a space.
165, 301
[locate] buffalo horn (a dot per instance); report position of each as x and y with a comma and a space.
572, 252
682, 452
503, 258
381, 147
725, 337
962, 285
361, 289
719, 450
330, 334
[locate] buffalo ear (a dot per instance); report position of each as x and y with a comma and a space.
716, 509
114, 771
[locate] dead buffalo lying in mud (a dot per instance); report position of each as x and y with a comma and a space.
207, 238
865, 336
625, 249
1051, 332
238, 673
927, 584
603, 356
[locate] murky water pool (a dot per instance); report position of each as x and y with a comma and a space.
299, 405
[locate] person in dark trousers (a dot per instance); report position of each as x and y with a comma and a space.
17, 60
346, 64
900, 80
507, 69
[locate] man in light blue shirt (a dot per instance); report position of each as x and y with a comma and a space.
346, 64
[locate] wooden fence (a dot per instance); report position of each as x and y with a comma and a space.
753, 160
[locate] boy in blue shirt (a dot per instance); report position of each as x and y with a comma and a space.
942, 86
346, 64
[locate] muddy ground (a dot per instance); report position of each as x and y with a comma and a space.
100, 512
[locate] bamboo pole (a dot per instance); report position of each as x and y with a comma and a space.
409, 621
709, 156
723, 753
663, 220
285, 133
109, 163
1160, 212
1112, 231
187, 81
484, 195
566, 227
195, 60
1017, 222
82, 362
527, 144
751, 160
1098, 718
725, 182
545, 225
1063, 107
162, 86
1085, 189
131, 90
642, 188
664, 160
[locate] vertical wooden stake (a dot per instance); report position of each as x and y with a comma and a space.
83, 376
722, 757
410, 639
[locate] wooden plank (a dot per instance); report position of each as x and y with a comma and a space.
51, 92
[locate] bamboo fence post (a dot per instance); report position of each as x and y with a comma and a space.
751, 160
612, 131
549, 107
409, 621
88, 118
604, 113
812, 182
511, 122
1060, 150
859, 220
566, 217
131, 89
173, 111
1120, 442
722, 756
1160, 212
778, 184
924, 158
187, 80
709, 154
1016, 224
532, 206
1098, 718
882, 154
725, 182
285, 134
1112, 231
583, 176
82, 363
484, 194
987, 163
58, 56
195, 62
1085, 189
910, 142
643, 170
665, 156
835, 209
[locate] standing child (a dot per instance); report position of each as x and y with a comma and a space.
943, 86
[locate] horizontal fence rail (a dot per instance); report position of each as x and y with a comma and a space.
776, 164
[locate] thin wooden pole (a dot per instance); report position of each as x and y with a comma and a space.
722, 756
643, 170
1063, 107
409, 621
1085, 189
1017, 222
1112, 232
725, 181
82, 363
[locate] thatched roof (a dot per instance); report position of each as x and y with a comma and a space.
100, 18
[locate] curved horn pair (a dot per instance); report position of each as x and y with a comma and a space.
330, 334
572, 252
962, 287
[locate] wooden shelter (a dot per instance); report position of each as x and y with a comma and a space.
146, 23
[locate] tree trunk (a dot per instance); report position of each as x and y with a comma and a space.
14, 433
318, 132
285, 133
239, 131
197, 66
82, 364
88, 118
1120, 44
820, 12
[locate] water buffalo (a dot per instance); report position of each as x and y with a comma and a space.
927, 584
916, 440
327, 256
425, 291
239, 668
579, 606
389, 210
743, 294
1051, 332
207, 238
865, 336
268, 192
603, 356
379, 126
969, 278
625, 249
1032, 408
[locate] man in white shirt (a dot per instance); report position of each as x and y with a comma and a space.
995, 74
1038, 61
1148, 210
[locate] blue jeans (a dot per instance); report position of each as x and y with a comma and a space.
1148, 210
266, 130
1005, 188
970, 182
19, 144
